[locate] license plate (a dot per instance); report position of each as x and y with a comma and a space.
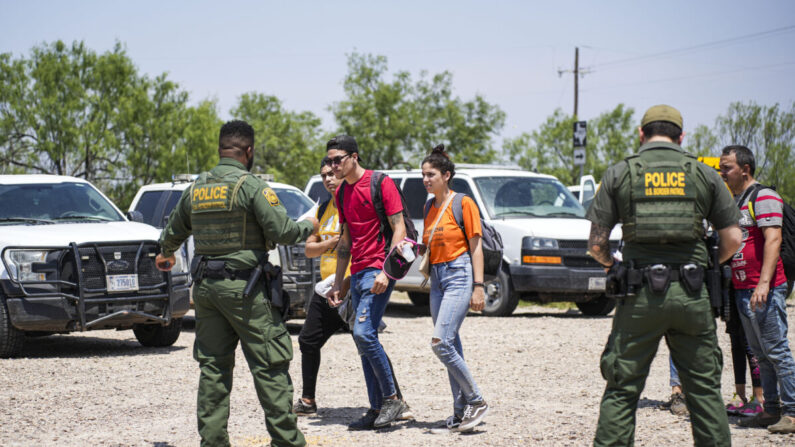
596, 283
122, 283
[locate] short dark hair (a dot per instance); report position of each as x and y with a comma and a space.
662, 129
743, 155
323, 162
439, 159
343, 142
236, 134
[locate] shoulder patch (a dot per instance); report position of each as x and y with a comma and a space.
270, 196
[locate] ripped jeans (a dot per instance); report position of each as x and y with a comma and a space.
370, 310
451, 290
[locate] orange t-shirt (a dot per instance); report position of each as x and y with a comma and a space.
448, 241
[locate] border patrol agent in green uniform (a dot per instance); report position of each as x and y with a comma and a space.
235, 218
662, 196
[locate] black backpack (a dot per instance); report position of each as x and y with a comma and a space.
491, 239
385, 230
787, 231
322, 208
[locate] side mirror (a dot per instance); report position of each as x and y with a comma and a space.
135, 216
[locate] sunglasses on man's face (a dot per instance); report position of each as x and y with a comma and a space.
336, 160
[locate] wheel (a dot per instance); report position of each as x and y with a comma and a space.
501, 299
11, 338
597, 306
420, 299
155, 335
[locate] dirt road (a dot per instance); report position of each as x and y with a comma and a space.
538, 369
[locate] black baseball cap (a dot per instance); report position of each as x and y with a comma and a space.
344, 142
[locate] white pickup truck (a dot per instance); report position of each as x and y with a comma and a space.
71, 261
155, 203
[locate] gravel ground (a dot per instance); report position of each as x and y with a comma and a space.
538, 369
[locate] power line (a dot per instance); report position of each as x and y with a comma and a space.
683, 78
716, 43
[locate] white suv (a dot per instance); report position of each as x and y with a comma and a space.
71, 261
543, 229
156, 201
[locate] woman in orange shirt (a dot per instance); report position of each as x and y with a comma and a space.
456, 259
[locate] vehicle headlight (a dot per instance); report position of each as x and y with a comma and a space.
20, 264
542, 243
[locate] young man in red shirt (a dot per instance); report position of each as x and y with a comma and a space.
362, 241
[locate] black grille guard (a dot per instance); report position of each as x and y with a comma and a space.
80, 300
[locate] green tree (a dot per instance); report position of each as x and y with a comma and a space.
397, 122
702, 142
288, 144
769, 131
611, 136
67, 110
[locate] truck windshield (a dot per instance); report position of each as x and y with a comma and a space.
519, 197
294, 201
49, 202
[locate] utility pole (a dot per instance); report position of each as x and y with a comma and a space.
576, 78
579, 141
577, 72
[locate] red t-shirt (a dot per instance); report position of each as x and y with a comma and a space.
359, 213
747, 262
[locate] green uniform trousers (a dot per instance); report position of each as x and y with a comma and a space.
223, 317
686, 322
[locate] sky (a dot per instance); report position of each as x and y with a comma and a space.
698, 56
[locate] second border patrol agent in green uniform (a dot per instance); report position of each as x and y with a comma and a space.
235, 218
662, 195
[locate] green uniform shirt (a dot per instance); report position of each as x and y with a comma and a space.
255, 196
714, 203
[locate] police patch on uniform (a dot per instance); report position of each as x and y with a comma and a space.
271, 196
212, 196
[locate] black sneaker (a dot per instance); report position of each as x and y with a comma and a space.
451, 424
301, 408
473, 415
366, 422
390, 410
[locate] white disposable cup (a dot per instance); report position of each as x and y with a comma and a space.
408, 252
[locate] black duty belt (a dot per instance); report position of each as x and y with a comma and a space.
637, 276
227, 273
217, 269
659, 276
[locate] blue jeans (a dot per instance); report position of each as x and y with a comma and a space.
766, 332
451, 290
369, 312
674, 374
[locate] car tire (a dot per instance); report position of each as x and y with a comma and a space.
420, 299
157, 336
11, 339
597, 307
501, 299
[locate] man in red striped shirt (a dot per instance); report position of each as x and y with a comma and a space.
761, 289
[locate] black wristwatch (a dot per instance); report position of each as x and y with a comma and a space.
475, 284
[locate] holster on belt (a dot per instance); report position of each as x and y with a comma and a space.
622, 280
274, 290
197, 266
